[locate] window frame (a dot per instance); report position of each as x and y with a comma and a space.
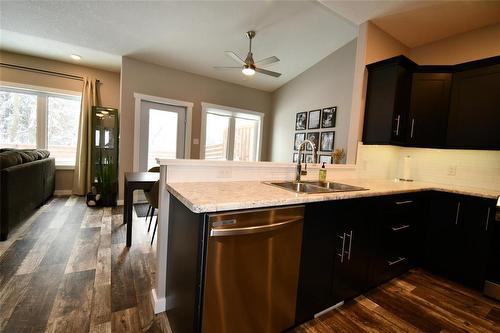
232, 113
42, 120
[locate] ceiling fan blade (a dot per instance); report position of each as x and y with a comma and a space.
235, 57
226, 67
265, 71
267, 61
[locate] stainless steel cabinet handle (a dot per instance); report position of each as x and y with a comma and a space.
390, 263
404, 202
252, 230
400, 227
350, 245
412, 125
488, 218
341, 254
458, 212
398, 118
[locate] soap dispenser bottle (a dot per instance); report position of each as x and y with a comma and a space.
322, 173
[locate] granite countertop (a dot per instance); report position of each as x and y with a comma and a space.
221, 196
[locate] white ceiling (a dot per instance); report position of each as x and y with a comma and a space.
416, 23
193, 35
190, 36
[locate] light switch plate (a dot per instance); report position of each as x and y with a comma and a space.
196, 141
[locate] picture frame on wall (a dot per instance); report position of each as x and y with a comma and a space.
301, 121
325, 159
295, 157
327, 141
314, 138
298, 139
314, 119
328, 117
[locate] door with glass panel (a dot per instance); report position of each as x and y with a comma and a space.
231, 136
162, 131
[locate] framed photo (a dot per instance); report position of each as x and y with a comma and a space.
328, 117
295, 157
314, 138
309, 158
299, 138
301, 121
325, 158
327, 141
314, 119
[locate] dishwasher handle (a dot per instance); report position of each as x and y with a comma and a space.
254, 229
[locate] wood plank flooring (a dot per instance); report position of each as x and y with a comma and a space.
414, 302
66, 269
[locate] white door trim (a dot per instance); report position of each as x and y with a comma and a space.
137, 122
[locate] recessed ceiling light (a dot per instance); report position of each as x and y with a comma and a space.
75, 57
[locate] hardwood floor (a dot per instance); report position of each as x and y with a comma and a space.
67, 270
414, 302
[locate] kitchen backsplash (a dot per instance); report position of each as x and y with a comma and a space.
479, 168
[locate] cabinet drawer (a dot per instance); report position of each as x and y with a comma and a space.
404, 204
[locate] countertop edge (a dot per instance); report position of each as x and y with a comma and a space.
309, 198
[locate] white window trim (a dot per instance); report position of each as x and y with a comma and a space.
162, 100
42, 110
233, 112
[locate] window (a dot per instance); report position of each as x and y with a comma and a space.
37, 119
231, 134
162, 141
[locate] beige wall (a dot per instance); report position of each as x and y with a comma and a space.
149, 79
473, 45
109, 87
327, 83
380, 45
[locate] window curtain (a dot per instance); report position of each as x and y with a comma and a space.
90, 98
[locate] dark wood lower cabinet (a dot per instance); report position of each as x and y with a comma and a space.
350, 246
458, 237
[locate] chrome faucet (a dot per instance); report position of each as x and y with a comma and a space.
298, 170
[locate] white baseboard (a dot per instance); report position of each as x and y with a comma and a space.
159, 304
62, 193
119, 202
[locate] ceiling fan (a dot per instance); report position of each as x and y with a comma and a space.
249, 66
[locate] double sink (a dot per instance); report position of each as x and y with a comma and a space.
312, 187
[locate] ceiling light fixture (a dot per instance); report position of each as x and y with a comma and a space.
249, 71
75, 57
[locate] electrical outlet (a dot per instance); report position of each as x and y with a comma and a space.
452, 170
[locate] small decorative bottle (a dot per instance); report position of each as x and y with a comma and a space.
322, 173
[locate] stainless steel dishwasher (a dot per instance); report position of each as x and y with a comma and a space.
252, 270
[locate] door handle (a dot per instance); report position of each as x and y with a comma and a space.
412, 126
341, 254
350, 244
398, 118
390, 263
400, 227
252, 230
458, 212
488, 218
404, 202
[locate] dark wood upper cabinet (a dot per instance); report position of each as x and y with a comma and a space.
387, 100
428, 112
454, 106
474, 120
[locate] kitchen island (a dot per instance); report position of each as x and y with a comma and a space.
351, 242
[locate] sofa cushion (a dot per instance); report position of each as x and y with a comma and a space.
28, 155
42, 153
9, 158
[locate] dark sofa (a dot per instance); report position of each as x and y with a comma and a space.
27, 180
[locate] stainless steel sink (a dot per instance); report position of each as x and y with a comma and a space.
312, 187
